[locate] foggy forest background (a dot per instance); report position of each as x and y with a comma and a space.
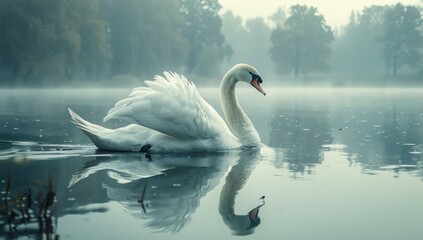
117, 42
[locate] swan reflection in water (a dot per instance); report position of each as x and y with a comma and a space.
166, 190
235, 180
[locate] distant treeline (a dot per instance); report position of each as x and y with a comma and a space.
56, 41
60, 41
379, 44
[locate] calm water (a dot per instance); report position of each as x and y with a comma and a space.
340, 164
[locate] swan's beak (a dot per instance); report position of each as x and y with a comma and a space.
253, 216
256, 84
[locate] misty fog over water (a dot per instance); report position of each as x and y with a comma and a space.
119, 43
350, 156
339, 121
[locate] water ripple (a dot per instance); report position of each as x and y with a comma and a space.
21, 152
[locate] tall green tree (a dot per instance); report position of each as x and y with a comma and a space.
207, 47
145, 36
250, 41
357, 50
303, 44
52, 40
402, 40
278, 18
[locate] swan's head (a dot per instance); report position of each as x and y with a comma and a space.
248, 74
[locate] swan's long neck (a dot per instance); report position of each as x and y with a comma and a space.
234, 182
237, 120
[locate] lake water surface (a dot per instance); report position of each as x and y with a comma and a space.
339, 164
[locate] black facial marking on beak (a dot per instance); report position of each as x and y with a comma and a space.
255, 76
255, 82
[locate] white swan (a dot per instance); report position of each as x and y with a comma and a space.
170, 116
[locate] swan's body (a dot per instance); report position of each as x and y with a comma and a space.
170, 116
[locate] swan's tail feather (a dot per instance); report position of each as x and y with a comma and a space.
93, 131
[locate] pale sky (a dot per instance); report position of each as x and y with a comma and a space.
336, 12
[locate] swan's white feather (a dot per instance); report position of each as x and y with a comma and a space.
129, 138
170, 105
169, 115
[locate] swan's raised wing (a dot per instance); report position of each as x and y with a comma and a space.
170, 105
